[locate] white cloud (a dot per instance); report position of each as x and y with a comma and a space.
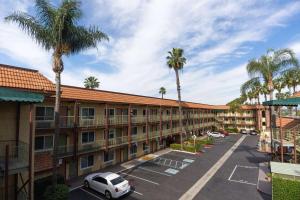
213, 33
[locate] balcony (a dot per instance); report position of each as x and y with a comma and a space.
88, 122
118, 141
139, 137
18, 156
166, 132
93, 146
45, 122
138, 119
118, 120
65, 150
166, 117
154, 118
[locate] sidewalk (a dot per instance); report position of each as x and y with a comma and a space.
263, 183
78, 181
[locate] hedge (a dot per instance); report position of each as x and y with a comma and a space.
284, 189
41, 185
189, 148
232, 130
59, 192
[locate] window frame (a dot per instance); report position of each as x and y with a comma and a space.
112, 160
84, 143
44, 107
87, 167
84, 118
44, 149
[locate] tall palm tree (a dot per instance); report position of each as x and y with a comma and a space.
271, 65
91, 82
279, 84
252, 88
57, 29
291, 78
162, 91
176, 61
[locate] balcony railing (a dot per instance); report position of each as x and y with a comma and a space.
93, 146
154, 134
18, 155
44, 122
87, 122
65, 150
138, 119
154, 118
118, 119
118, 141
139, 137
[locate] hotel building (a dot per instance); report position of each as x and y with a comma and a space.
97, 128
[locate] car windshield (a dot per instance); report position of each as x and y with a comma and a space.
118, 180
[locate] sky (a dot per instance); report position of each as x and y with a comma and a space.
218, 38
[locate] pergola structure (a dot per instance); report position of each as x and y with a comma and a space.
277, 104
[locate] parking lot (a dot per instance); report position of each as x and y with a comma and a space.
170, 175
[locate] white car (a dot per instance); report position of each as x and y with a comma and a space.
110, 184
215, 134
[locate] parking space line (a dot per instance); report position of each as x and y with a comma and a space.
153, 171
138, 193
232, 172
244, 182
141, 178
250, 167
91, 194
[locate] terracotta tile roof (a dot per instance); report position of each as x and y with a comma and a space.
287, 122
26, 79
77, 93
297, 94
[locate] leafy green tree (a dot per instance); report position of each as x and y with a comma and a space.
56, 29
91, 82
162, 91
176, 61
252, 88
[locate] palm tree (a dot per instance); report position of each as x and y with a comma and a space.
176, 61
91, 82
271, 65
252, 88
57, 29
162, 91
291, 78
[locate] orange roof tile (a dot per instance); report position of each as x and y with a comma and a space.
287, 122
297, 94
27, 79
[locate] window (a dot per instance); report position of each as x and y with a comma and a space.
144, 112
134, 130
168, 112
117, 181
109, 156
44, 113
168, 126
86, 161
134, 112
43, 143
133, 149
87, 137
111, 133
100, 180
144, 129
111, 112
263, 114
87, 113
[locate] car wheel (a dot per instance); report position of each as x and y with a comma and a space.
86, 184
107, 195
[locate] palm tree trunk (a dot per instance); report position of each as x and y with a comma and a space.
265, 95
162, 95
179, 105
258, 100
57, 68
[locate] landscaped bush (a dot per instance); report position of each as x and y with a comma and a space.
59, 192
232, 130
284, 189
175, 146
209, 141
41, 185
189, 147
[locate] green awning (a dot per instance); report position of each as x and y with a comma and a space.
7, 94
295, 101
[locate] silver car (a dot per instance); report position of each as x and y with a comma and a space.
110, 184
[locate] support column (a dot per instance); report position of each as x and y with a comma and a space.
281, 136
129, 126
147, 124
30, 173
106, 128
295, 146
6, 172
160, 124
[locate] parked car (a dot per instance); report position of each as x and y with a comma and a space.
243, 131
215, 134
225, 133
110, 184
253, 132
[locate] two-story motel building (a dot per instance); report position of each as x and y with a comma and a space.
97, 128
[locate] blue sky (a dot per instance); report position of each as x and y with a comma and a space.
219, 37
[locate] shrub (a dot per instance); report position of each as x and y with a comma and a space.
209, 141
42, 184
232, 130
189, 148
284, 189
59, 192
175, 146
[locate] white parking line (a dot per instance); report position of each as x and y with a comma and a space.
242, 181
80, 186
250, 167
232, 172
153, 171
138, 193
91, 194
140, 178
